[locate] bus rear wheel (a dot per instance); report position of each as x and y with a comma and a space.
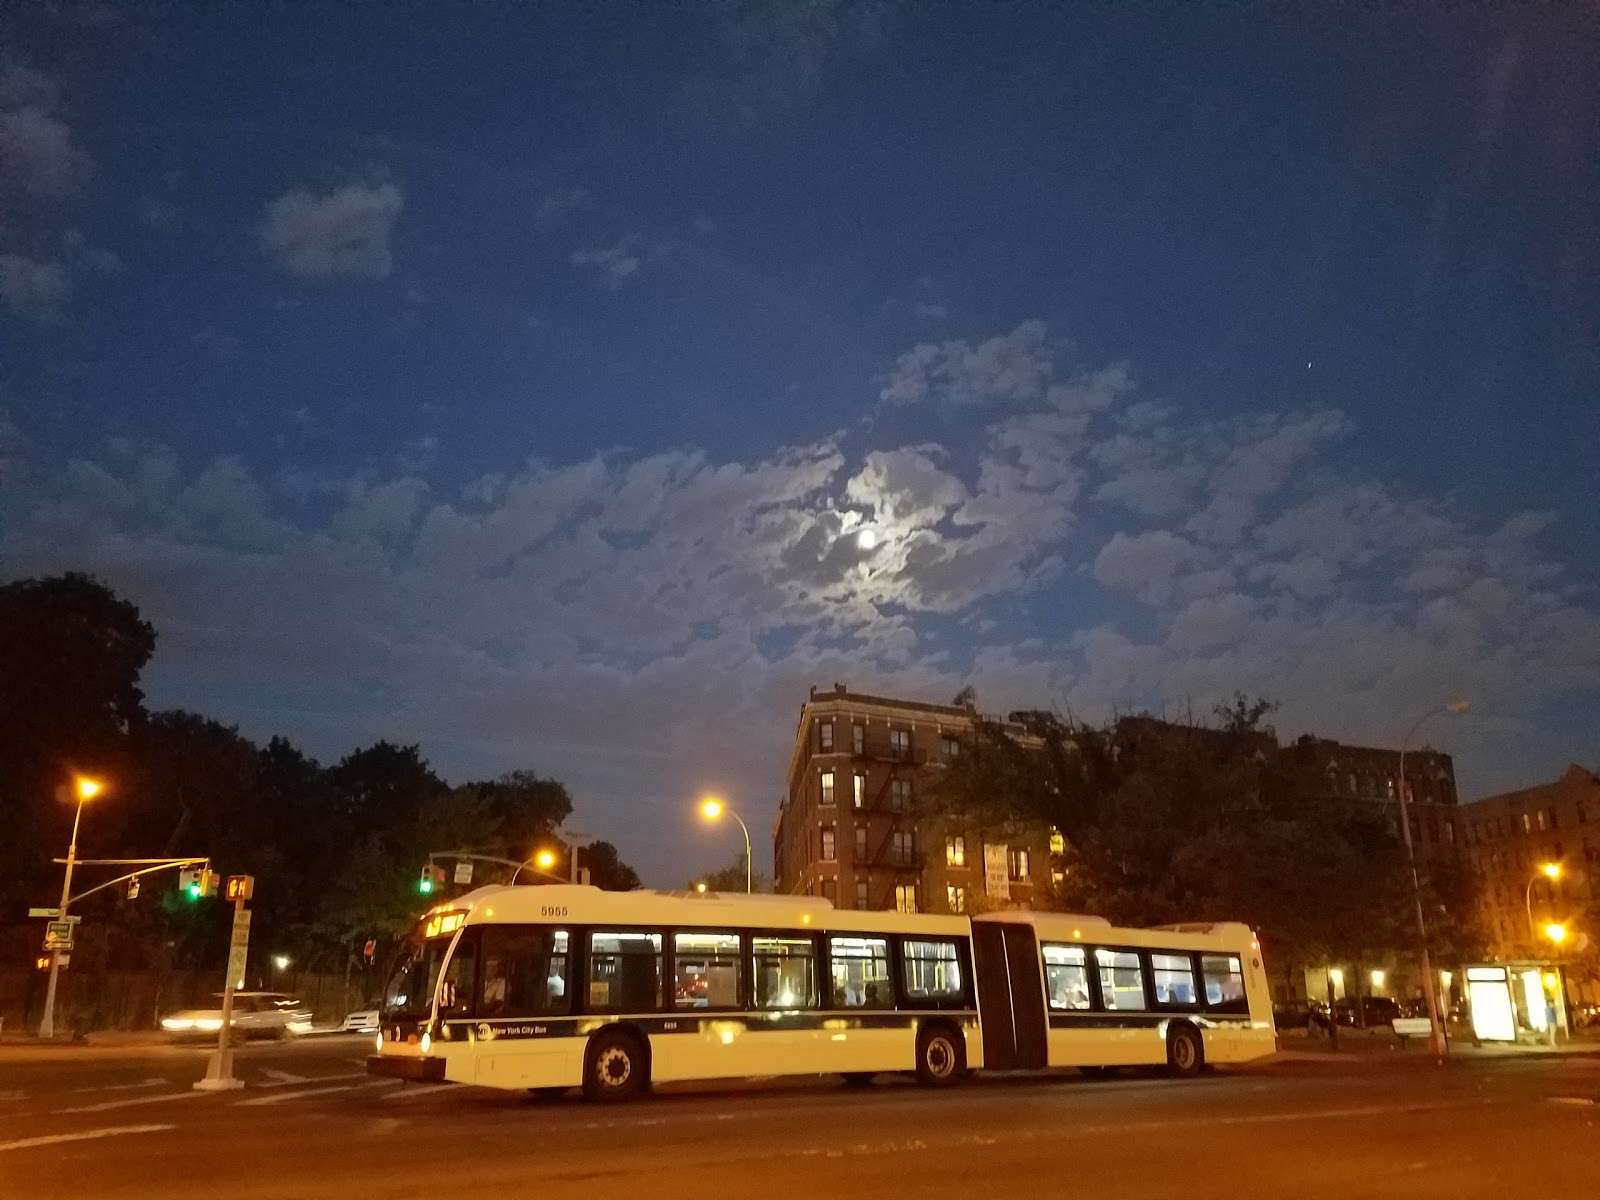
1186, 1053
615, 1067
941, 1056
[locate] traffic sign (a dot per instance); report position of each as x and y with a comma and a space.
241, 928
58, 935
44, 912
237, 957
463, 872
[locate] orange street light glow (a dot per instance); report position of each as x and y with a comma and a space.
545, 859
711, 808
1556, 932
87, 788
1553, 870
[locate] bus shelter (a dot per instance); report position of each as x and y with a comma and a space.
1517, 1002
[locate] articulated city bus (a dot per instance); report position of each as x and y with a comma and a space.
553, 987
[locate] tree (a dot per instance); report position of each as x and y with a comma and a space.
731, 878
606, 868
71, 653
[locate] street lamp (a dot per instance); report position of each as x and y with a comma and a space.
1550, 871
1436, 1042
85, 789
712, 808
1556, 932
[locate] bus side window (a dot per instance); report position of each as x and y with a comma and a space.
860, 970
524, 971
1224, 982
1066, 976
1173, 975
457, 988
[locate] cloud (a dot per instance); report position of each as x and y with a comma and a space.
930, 312
341, 235
615, 263
644, 625
32, 288
772, 56
38, 158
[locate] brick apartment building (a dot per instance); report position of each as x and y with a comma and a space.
1508, 838
850, 830
1371, 774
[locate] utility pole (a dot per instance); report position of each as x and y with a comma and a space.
219, 1070
85, 788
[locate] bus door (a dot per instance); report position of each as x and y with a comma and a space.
1015, 1032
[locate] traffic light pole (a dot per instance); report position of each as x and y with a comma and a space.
219, 1071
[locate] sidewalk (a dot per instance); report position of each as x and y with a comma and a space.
1354, 1044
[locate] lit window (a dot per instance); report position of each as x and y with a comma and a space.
1224, 982
858, 738
955, 851
956, 897
825, 735
1058, 844
860, 792
860, 967
900, 743
1173, 975
1019, 864
863, 894
1066, 977
1542, 825
1058, 877
524, 972
827, 843
624, 972
827, 787
932, 971
705, 970
1527, 823
785, 972
1121, 979
905, 898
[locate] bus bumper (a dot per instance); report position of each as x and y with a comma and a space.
395, 1066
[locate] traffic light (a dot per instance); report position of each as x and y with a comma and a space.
209, 882
133, 888
189, 882
42, 962
241, 887
432, 879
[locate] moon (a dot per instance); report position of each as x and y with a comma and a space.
867, 539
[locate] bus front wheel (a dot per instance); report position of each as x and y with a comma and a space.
941, 1056
615, 1067
1185, 1051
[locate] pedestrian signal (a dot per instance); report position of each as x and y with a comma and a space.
241, 887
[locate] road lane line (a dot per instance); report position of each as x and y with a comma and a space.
153, 1081
278, 1076
280, 1097
88, 1135
343, 1075
108, 1105
427, 1089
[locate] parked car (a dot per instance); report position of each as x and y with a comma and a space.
255, 1014
1298, 1014
1376, 1011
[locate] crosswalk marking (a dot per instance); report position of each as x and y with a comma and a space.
280, 1097
108, 1105
283, 1076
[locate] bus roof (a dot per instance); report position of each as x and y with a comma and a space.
583, 904
1070, 927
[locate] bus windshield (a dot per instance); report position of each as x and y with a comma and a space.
409, 992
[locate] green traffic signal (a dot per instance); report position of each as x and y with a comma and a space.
193, 890
425, 886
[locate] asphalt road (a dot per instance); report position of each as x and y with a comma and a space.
119, 1124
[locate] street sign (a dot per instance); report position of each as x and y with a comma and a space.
241, 928
241, 887
44, 912
463, 872
237, 957
58, 935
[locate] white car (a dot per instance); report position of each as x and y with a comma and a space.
365, 1020
255, 1014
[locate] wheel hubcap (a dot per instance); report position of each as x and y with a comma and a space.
1184, 1053
613, 1067
940, 1059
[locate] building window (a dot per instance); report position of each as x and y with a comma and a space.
1058, 877
900, 743
785, 972
827, 843
1019, 864
1058, 844
859, 795
827, 787
1553, 822
949, 747
861, 842
705, 969
1542, 825
932, 971
1066, 975
858, 738
956, 897
1527, 823
900, 794
825, 734
863, 894
860, 972
1121, 979
830, 890
955, 851
624, 971
905, 898
903, 847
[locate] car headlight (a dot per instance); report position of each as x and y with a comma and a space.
208, 1023
177, 1023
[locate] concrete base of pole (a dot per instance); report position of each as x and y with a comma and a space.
219, 1076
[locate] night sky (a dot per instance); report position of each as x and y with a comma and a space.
571, 389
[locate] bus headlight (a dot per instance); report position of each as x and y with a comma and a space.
380, 1041
426, 1043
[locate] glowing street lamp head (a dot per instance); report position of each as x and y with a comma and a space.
711, 808
87, 788
545, 859
1556, 932
280, 961
700, 887
1552, 869
1460, 706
